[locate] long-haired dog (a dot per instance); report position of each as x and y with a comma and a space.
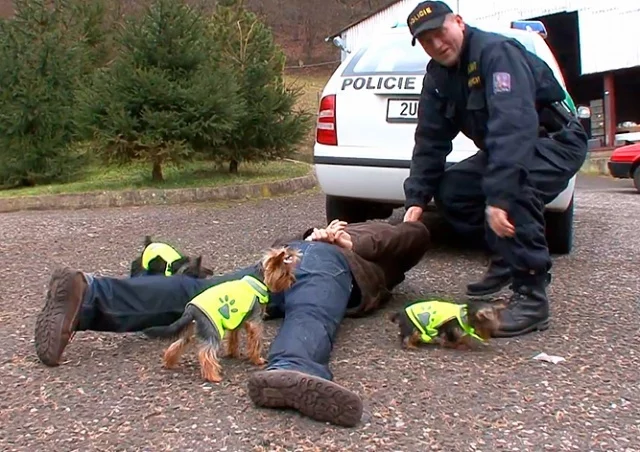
226, 307
159, 258
449, 324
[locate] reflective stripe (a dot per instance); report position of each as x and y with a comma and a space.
259, 287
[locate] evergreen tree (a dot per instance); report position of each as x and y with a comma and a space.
166, 96
270, 127
42, 59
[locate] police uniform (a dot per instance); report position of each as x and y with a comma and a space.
509, 103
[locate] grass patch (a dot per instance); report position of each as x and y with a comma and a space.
312, 85
188, 175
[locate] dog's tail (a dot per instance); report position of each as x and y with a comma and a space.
170, 331
147, 241
279, 265
394, 317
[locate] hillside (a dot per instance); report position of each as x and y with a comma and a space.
300, 26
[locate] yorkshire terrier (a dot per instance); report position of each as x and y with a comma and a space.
225, 307
158, 258
451, 325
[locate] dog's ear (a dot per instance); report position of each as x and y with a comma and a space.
486, 313
291, 256
393, 316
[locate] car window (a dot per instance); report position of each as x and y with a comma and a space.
394, 54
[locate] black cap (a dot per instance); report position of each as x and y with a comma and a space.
427, 16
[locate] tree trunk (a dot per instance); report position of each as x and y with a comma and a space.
156, 174
233, 166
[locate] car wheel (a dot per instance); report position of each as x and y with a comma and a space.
636, 178
354, 210
559, 230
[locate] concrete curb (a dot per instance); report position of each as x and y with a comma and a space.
596, 166
147, 197
596, 163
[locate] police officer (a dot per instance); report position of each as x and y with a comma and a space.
507, 100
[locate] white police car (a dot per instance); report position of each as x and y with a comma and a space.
366, 123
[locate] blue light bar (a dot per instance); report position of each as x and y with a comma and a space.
530, 25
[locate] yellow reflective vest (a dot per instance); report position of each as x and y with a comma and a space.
166, 252
429, 316
229, 303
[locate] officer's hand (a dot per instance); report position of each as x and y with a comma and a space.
498, 220
414, 213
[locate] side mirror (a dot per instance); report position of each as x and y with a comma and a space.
339, 43
584, 112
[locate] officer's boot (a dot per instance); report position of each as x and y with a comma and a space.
497, 276
528, 308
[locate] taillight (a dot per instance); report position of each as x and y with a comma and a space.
326, 125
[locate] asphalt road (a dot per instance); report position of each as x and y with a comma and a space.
111, 393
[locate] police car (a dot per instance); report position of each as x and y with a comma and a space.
366, 124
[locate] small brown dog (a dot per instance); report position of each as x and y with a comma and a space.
225, 307
452, 325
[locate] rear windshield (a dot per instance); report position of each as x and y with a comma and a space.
395, 55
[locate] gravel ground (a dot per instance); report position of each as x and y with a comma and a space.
111, 393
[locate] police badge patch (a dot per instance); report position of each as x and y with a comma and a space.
501, 82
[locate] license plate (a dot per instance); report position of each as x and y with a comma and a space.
402, 110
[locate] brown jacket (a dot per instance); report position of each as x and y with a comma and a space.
382, 253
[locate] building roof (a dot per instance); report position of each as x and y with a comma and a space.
371, 14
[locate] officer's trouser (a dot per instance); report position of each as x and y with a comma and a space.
461, 199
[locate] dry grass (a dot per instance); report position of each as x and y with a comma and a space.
312, 84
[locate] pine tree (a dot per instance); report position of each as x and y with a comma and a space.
270, 126
42, 58
166, 96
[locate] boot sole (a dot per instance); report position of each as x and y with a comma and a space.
312, 396
49, 342
540, 326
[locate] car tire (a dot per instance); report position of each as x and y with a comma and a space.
559, 230
636, 178
354, 210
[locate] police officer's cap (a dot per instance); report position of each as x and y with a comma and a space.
427, 16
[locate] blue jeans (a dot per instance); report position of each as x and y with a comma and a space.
313, 307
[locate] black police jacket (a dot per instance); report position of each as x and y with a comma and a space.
493, 96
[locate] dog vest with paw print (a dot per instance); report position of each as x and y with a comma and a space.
229, 303
162, 250
429, 316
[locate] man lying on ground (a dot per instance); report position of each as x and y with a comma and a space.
345, 270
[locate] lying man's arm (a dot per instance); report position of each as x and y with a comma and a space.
404, 243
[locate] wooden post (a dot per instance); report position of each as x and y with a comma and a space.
610, 119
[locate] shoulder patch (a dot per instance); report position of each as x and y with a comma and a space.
501, 82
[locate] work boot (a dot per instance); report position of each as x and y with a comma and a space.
317, 398
58, 319
497, 276
528, 308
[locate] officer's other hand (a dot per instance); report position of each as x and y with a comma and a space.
498, 220
414, 213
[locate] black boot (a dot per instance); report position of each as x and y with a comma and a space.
528, 309
497, 276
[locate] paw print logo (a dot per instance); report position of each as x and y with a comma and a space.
226, 308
